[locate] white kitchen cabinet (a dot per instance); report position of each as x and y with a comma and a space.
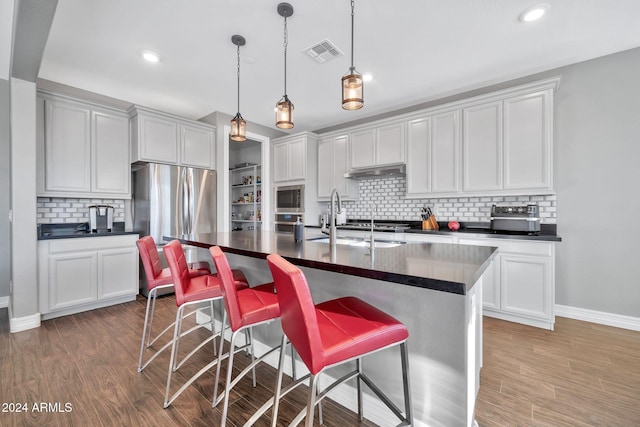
80, 274
333, 163
378, 146
82, 149
482, 147
163, 138
523, 288
290, 157
528, 132
433, 150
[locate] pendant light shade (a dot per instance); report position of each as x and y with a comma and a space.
352, 85
284, 107
238, 124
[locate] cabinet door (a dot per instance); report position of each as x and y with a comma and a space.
418, 149
72, 279
110, 158
196, 146
280, 162
67, 150
390, 142
527, 141
363, 149
157, 139
297, 164
117, 272
444, 164
340, 165
482, 147
325, 168
527, 285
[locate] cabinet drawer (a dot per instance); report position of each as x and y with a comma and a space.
92, 243
516, 247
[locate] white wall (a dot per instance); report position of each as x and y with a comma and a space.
5, 170
597, 140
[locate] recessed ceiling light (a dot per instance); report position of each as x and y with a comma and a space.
534, 13
150, 56
367, 77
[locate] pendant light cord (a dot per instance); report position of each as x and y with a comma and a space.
238, 79
352, 20
286, 42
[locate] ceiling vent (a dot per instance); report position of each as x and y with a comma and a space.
323, 51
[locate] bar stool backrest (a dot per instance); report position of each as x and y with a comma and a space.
228, 287
297, 312
150, 260
179, 269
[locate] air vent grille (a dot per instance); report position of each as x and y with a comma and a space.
323, 51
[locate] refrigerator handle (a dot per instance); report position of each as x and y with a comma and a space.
186, 201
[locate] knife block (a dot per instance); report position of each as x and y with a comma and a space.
430, 223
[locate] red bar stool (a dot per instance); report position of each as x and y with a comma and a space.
189, 290
245, 308
332, 333
158, 278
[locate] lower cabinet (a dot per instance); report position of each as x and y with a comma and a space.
86, 273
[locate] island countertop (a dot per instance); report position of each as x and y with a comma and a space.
438, 266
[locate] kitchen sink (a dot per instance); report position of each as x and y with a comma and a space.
354, 241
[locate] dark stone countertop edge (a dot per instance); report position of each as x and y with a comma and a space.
459, 288
77, 230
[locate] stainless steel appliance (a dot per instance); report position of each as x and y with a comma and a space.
523, 218
285, 222
172, 200
100, 218
290, 199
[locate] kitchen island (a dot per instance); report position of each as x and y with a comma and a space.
435, 289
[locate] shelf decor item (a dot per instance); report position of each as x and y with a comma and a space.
352, 85
284, 107
238, 124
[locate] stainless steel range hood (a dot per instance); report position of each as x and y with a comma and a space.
397, 169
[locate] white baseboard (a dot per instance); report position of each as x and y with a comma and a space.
4, 302
19, 324
600, 317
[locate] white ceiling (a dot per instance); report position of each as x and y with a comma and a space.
418, 50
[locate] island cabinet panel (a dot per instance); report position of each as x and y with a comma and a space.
163, 138
333, 163
482, 147
290, 158
528, 131
79, 274
378, 146
82, 149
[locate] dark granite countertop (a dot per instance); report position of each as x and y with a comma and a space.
78, 230
438, 266
483, 229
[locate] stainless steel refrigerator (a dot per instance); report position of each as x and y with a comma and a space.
171, 201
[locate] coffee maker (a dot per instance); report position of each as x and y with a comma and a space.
100, 218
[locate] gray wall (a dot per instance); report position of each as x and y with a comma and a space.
597, 172
5, 157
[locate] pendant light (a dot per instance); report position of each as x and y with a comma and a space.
284, 107
238, 125
352, 86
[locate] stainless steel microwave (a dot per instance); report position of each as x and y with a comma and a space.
290, 199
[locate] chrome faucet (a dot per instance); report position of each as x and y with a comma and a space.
372, 242
333, 231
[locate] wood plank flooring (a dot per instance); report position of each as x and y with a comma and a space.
581, 374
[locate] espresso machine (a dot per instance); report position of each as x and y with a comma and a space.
100, 218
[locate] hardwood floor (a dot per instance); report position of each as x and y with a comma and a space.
581, 374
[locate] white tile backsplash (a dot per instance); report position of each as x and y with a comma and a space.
388, 196
51, 210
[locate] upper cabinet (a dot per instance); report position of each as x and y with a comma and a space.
162, 138
291, 157
333, 163
83, 149
496, 144
378, 146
